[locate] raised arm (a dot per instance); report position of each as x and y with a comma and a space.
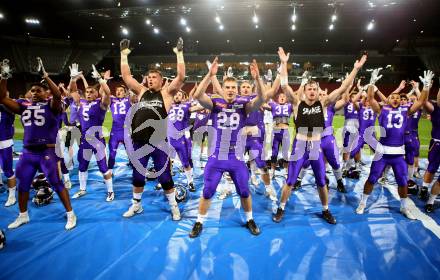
200, 93
177, 83
9, 103
373, 102
131, 82
271, 91
334, 95
256, 103
427, 83
55, 103
284, 80
105, 101
343, 101
401, 87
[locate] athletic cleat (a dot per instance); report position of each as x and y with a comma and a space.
341, 187
344, 173
224, 193
11, 201
175, 213
407, 213
327, 180
21, 220
68, 185
191, 187
278, 216
252, 226
196, 230
271, 193
135, 208
429, 208
424, 194
297, 185
71, 222
110, 196
328, 217
360, 209
79, 194
254, 180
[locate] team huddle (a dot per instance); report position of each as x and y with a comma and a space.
156, 119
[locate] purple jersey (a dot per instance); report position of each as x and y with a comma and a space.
39, 122
280, 110
435, 120
328, 117
393, 120
91, 114
413, 121
178, 119
6, 124
202, 118
367, 117
350, 112
119, 108
227, 119
256, 117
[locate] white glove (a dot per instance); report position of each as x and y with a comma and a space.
304, 78
268, 76
375, 76
428, 75
208, 63
230, 73
40, 67
5, 70
74, 73
96, 75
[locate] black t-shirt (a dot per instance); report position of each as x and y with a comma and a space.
150, 113
310, 116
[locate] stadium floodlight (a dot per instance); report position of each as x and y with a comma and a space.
147, 21
293, 27
331, 26
125, 31
156, 30
334, 17
188, 29
2, 16
221, 27
370, 25
294, 17
183, 21
255, 18
32, 21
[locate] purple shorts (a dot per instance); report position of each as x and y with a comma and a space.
87, 150
116, 138
255, 148
214, 170
397, 162
6, 162
433, 156
280, 137
32, 161
412, 145
330, 150
303, 151
182, 150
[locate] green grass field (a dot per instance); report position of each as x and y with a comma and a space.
338, 122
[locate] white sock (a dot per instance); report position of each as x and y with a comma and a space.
324, 207
404, 202
70, 214
425, 185
248, 216
410, 171
137, 196
338, 173
432, 198
253, 167
201, 218
66, 177
83, 180
12, 191
23, 214
171, 198
109, 184
301, 174
282, 205
189, 175
364, 198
